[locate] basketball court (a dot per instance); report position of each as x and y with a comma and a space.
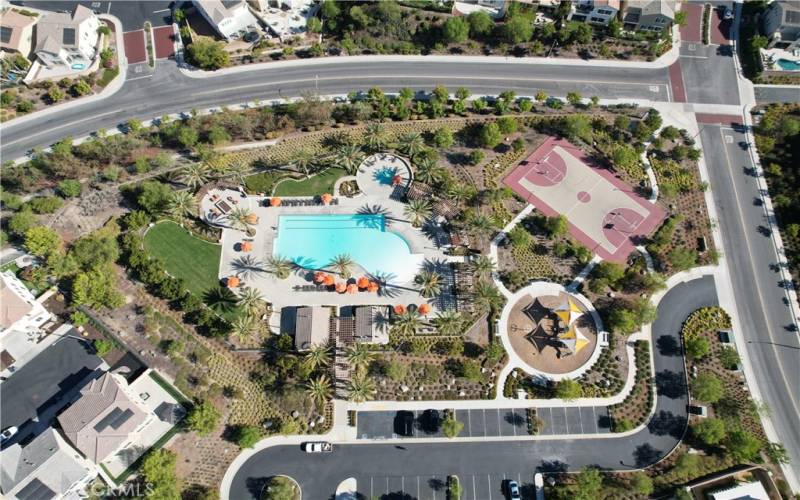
604, 213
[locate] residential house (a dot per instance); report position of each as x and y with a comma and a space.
45, 468
782, 25
495, 8
231, 19
16, 32
312, 327
70, 40
648, 15
105, 418
752, 490
599, 12
19, 310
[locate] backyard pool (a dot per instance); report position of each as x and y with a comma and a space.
312, 241
788, 65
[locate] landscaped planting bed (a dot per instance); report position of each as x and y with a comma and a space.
635, 409
607, 376
316, 185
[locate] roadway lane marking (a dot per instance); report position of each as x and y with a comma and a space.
474, 492
402, 485
489, 479
160, 11
694, 57
418, 490
758, 287
370, 487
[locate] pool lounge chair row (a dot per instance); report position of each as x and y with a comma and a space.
301, 203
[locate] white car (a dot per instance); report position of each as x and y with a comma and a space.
317, 447
8, 434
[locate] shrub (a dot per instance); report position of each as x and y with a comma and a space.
248, 435
69, 188
697, 347
507, 124
207, 54
80, 88
203, 418
451, 427
729, 358
708, 387
102, 346
456, 30
490, 135
742, 445
78, 318
709, 431
568, 389
45, 204
476, 156
25, 106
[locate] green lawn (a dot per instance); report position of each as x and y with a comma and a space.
191, 259
315, 185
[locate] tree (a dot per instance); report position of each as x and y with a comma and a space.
486, 296
443, 137
359, 356
183, 204
642, 484
507, 124
490, 135
708, 387
360, 388
207, 54
21, 222
575, 126
251, 301
588, 484
411, 144
518, 29
556, 226
158, 471
281, 488
729, 357
154, 197
102, 346
417, 211
697, 347
203, 418
243, 327
430, 283
342, 264
314, 25
407, 323
319, 389
682, 258
303, 160
451, 427
318, 356
624, 157
241, 218
456, 30
480, 23
55, 94
278, 266
41, 241
376, 137
248, 435
448, 323
483, 265
568, 389
709, 431
686, 464
69, 188
742, 445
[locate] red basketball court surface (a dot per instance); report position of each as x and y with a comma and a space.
604, 213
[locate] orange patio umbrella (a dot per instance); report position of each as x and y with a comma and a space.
328, 280
363, 282
326, 198
399, 309
275, 202
373, 287
424, 309
341, 287
251, 219
246, 246
352, 288
396, 180
319, 277
232, 282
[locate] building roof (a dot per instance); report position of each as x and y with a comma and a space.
218, 10
44, 468
101, 419
663, 7
12, 25
614, 4
57, 29
790, 12
312, 327
13, 307
745, 491
371, 324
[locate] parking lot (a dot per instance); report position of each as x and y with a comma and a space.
474, 487
494, 422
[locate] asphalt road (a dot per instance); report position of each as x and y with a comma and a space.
169, 91
391, 464
132, 14
766, 94
774, 350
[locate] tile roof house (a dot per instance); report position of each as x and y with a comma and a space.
104, 418
599, 12
45, 468
67, 39
648, 15
16, 32
781, 23
231, 19
19, 311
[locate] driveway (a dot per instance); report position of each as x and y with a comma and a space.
396, 468
43, 385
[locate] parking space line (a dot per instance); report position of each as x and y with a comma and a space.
594, 415
484, 423
514, 420
414, 427
418, 490
387, 485
489, 479
499, 431
474, 492
566, 420
402, 485
370, 487
469, 422
580, 418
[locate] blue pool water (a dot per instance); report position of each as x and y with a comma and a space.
312, 241
789, 65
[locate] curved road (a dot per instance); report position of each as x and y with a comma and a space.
170, 91
318, 474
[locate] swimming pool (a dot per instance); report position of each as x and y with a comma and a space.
312, 241
788, 65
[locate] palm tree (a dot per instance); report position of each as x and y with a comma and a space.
279, 266
376, 137
243, 327
318, 356
417, 211
250, 301
486, 296
407, 323
448, 323
359, 356
427, 171
349, 157
182, 204
360, 388
430, 283
480, 224
238, 171
459, 192
241, 219
302, 160
194, 175
483, 266
342, 264
411, 144
319, 389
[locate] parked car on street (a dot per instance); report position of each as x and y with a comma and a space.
317, 447
513, 490
8, 434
